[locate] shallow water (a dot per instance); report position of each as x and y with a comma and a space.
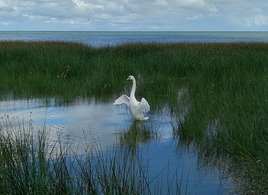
104, 123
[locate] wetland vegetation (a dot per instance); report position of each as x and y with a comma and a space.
217, 91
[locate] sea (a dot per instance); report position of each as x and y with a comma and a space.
113, 38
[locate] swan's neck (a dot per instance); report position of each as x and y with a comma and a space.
132, 93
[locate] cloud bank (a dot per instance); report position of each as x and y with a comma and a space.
133, 15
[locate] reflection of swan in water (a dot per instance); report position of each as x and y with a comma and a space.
136, 108
137, 133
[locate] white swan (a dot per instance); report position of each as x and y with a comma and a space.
137, 108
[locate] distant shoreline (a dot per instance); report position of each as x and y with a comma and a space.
104, 38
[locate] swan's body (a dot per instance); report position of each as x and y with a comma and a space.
137, 108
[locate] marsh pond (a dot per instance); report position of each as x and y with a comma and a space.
171, 167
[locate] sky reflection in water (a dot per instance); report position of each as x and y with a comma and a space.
103, 124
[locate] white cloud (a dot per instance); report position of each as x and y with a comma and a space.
258, 19
83, 5
252, 15
4, 23
257, 10
200, 16
3, 4
253, 20
213, 9
191, 3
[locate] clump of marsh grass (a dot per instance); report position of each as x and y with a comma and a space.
24, 168
227, 106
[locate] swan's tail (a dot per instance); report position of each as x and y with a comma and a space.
146, 118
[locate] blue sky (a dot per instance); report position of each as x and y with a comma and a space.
126, 15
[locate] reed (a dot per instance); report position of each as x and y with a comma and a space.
227, 105
224, 109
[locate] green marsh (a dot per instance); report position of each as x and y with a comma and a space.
217, 91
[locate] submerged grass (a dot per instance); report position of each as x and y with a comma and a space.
135, 135
224, 109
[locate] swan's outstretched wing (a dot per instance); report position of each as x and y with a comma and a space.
144, 106
123, 99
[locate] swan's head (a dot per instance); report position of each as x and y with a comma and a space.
130, 78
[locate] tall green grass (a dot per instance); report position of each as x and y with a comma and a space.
224, 109
71, 70
227, 100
